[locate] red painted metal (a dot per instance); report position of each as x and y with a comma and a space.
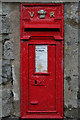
43, 99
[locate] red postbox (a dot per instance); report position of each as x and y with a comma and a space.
42, 61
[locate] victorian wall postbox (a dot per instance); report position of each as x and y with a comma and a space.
42, 61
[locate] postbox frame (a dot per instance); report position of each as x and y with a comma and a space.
24, 75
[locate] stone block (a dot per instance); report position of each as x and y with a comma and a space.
15, 118
0, 7
6, 74
5, 37
70, 92
0, 24
6, 71
0, 79
0, 71
6, 102
0, 91
8, 50
71, 113
5, 8
0, 67
5, 25
0, 107
71, 60
71, 13
0, 38
5, 63
0, 50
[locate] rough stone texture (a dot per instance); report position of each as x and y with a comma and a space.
0, 24
71, 60
11, 56
6, 102
6, 73
5, 37
0, 59
8, 50
40, 1
15, 38
10, 118
6, 25
79, 64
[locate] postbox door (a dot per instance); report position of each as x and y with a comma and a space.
42, 77
42, 60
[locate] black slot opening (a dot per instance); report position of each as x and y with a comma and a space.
35, 82
41, 29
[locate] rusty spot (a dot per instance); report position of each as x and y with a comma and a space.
72, 22
44, 70
66, 47
40, 67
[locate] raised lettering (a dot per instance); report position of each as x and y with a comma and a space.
31, 14
52, 14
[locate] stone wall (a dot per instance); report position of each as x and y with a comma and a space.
11, 60
10, 46
79, 63
71, 60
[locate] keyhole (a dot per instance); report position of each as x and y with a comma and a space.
35, 82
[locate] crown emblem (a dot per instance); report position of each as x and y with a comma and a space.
42, 14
